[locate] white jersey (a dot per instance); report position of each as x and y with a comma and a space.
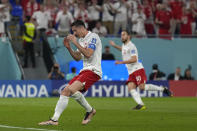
128, 51
92, 40
42, 19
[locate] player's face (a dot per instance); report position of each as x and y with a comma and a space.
124, 37
77, 31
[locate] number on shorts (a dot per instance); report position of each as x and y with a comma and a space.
138, 78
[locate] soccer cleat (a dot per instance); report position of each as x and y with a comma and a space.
167, 91
49, 122
88, 116
139, 107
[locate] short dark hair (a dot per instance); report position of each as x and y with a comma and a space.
127, 31
78, 23
28, 18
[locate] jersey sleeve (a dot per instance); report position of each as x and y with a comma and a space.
133, 50
92, 43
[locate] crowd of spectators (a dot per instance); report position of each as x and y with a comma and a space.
56, 74
176, 75
163, 18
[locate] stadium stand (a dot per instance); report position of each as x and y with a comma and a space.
10, 67
183, 14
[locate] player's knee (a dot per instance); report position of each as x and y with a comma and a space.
131, 88
77, 95
66, 91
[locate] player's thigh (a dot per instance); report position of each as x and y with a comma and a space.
76, 86
71, 89
131, 85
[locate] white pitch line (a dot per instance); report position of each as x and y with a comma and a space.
14, 127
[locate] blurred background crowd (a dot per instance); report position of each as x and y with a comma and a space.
144, 18
30, 22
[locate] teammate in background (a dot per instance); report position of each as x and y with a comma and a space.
137, 76
89, 49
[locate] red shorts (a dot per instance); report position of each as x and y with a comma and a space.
87, 77
138, 77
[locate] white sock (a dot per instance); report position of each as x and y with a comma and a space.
60, 106
136, 96
151, 87
79, 97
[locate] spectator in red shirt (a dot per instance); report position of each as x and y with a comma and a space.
186, 20
157, 10
52, 7
164, 19
30, 7
149, 18
81, 13
194, 13
176, 7
153, 4
24, 3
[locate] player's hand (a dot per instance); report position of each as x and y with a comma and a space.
72, 38
112, 43
118, 62
66, 43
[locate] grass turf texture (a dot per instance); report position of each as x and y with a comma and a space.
113, 114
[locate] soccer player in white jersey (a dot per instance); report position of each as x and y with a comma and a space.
137, 76
89, 49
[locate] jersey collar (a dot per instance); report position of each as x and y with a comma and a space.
88, 34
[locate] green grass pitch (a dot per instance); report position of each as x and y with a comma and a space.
113, 114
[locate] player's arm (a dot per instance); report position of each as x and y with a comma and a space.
75, 54
133, 58
86, 52
115, 46
130, 61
